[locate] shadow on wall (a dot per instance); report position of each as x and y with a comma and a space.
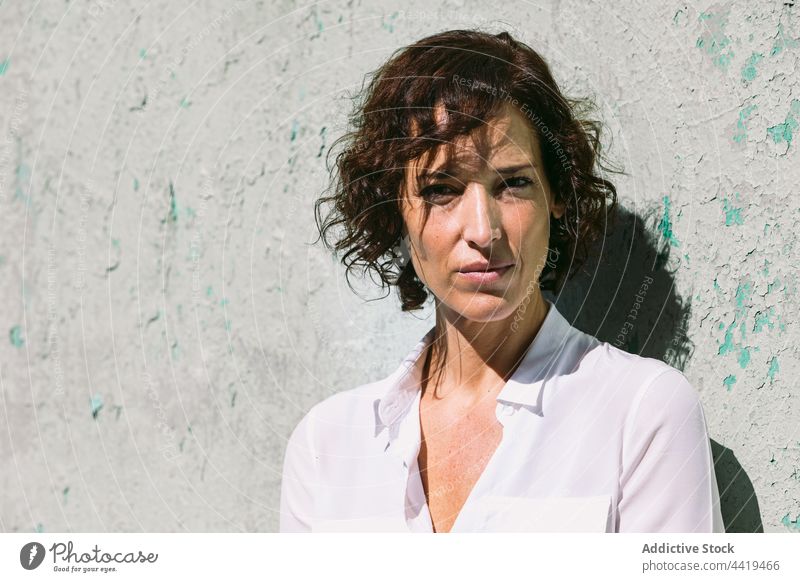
625, 295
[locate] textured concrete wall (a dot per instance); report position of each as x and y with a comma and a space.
166, 321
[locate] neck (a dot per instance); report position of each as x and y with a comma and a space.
469, 359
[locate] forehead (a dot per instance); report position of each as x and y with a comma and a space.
505, 138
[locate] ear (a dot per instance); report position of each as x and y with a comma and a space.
558, 210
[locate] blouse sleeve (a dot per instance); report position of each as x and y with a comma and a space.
297, 481
667, 482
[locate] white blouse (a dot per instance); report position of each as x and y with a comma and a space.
594, 440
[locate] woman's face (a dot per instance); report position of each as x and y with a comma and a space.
485, 240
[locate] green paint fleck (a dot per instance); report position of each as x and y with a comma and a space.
791, 523
295, 127
209, 291
784, 132
96, 403
773, 368
749, 71
765, 270
744, 357
741, 124
227, 325
175, 351
173, 204
4, 66
743, 295
714, 42
185, 103
728, 382
733, 215
764, 318
665, 226
727, 346
744, 292
318, 22
135, 184
224, 301
142, 53
22, 175
233, 399
15, 337
65, 493
389, 24
39, 528
782, 42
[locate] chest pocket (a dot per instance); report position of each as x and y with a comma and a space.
546, 514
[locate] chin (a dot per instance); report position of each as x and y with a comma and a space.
483, 307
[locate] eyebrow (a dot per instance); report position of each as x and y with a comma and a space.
445, 173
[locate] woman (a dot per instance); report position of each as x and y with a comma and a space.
469, 177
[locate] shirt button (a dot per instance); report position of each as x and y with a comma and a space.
508, 410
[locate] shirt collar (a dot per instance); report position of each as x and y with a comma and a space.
525, 386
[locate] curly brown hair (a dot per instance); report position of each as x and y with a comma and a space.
394, 124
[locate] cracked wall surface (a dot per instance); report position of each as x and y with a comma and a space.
166, 319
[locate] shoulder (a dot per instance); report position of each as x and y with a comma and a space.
633, 371
636, 386
346, 411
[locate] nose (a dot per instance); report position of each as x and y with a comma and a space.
480, 224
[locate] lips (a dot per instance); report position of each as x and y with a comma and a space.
484, 272
484, 266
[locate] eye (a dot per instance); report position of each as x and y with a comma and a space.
517, 183
437, 192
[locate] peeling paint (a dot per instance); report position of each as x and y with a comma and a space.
15, 337
729, 381
784, 132
96, 403
665, 225
733, 215
782, 42
749, 71
714, 42
173, 204
744, 357
388, 24
791, 523
764, 319
744, 292
4, 66
774, 368
741, 125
